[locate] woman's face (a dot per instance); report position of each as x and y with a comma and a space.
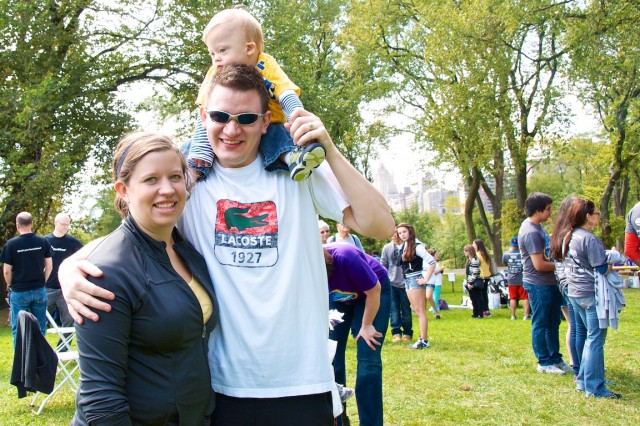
156, 192
592, 219
475, 246
403, 233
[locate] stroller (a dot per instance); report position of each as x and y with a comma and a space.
498, 284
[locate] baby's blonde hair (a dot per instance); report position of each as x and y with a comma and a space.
242, 20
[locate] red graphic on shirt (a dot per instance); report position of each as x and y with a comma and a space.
246, 218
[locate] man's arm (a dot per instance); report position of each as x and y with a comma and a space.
7, 271
540, 264
371, 306
384, 258
368, 213
79, 293
48, 267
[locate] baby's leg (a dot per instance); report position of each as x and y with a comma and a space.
200, 155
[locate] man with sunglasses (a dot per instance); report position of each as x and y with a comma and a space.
258, 234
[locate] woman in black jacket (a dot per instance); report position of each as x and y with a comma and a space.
473, 282
145, 362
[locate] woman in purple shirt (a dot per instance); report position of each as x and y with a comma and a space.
359, 287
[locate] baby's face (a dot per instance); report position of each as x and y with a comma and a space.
229, 47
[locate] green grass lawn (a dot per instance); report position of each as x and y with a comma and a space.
477, 372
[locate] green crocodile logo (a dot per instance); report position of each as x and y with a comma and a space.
234, 218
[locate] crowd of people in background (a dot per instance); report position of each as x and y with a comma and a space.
551, 276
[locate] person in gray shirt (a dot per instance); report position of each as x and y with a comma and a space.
584, 256
512, 259
540, 283
401, 327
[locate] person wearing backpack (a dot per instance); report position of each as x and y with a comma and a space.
344, 236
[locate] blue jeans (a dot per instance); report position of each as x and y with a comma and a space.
578, 332
34, 301
590, 349
401, 321
545, 322
369, 368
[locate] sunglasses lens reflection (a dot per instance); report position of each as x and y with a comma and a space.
243, 119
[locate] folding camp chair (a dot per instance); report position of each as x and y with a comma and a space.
67, 361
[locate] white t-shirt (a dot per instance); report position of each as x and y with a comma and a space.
438, 276
258, 232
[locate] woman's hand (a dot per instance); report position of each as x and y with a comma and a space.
369, 334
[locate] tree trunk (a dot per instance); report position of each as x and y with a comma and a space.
620, 197
605, 201
473, 184
615, 174
495, 198
483, 217
520, 170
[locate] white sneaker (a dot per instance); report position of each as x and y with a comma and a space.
549, 369
564, 367
513, 317
420, 344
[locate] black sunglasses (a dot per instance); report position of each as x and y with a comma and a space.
243, 119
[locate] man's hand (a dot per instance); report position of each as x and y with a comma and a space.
368, 212
540, 264
79, 293
306, 127
369, 334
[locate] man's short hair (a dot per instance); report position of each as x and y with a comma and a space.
24, 219
61, 216
243, 78
536, 202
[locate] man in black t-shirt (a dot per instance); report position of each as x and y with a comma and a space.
27, 265
63, 246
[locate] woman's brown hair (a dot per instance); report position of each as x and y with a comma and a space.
130, 150
410, 247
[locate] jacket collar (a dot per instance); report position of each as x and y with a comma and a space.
156, 249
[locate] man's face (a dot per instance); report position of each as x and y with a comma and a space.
545, 214
233, 144
395, 238
344, 229
62, 225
